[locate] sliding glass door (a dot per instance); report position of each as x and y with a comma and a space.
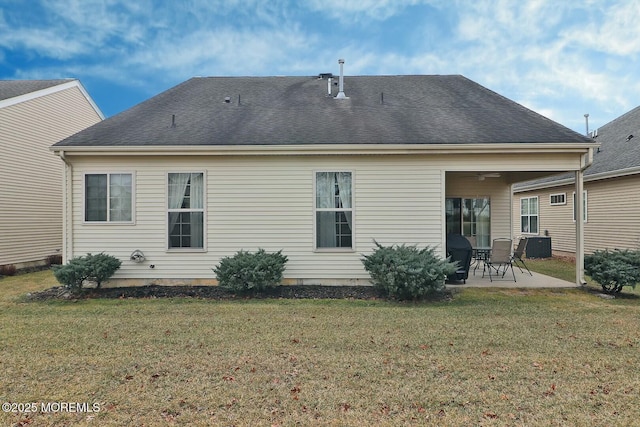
470, 217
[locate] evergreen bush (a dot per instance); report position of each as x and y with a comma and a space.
406, 272
613, 269
247, 272
95, 268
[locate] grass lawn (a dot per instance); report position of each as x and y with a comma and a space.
488, 357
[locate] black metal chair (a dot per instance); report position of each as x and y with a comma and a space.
518, 253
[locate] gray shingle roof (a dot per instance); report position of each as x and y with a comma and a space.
297, 110
617, 151
12, 88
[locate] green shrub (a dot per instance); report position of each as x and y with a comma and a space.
101, 267
247, 272
95, 268
406, 272
614, 269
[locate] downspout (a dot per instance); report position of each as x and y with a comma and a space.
67, 214
586, 161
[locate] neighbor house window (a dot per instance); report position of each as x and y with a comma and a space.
529, 215
186, 210
558, 199
334, 210
584, 206
108, 197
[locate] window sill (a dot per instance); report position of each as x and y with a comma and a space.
334, 250
108, 223
186, 250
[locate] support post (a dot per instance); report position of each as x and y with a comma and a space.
578, 207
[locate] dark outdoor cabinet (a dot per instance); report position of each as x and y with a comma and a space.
538, 247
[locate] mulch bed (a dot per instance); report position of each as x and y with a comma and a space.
210, 292
218, 293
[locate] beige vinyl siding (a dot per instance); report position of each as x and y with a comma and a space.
613, 215
31, 175
266, 203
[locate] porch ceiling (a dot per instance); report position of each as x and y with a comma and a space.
507, 177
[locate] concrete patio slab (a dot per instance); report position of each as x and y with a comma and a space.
523, 280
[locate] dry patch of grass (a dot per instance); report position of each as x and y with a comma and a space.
489, 357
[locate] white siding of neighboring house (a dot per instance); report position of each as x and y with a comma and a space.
267, 202
31, 175
613, 215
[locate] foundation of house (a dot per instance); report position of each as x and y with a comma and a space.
116, 283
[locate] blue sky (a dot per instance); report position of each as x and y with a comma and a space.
560, 58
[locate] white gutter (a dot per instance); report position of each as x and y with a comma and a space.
311, 149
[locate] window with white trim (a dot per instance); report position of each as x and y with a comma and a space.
185, 210
584, 206
558, 199
334, 210
108, 197
529, 215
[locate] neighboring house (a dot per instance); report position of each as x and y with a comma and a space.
611, 194
33, 115
303, 165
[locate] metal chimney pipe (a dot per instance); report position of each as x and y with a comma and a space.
341, 94
586, 119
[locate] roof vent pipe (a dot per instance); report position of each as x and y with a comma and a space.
341, 94
329, 82
586, 119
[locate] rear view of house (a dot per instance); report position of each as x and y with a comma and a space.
34, 114
611, 200
316, 166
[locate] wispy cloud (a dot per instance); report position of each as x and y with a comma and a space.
563, 58
351, 11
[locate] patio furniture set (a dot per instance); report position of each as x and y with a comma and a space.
495, 260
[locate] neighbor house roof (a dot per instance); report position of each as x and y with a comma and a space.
618, 154
412, 109
14, 88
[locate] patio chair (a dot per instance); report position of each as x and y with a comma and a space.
500, 259
517, 255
